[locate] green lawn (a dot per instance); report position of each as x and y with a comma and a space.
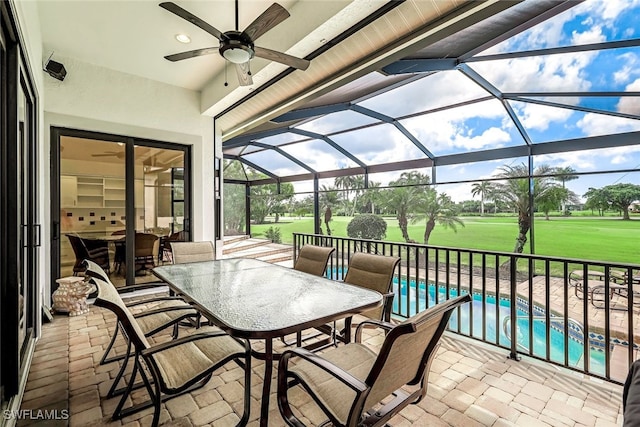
592, 238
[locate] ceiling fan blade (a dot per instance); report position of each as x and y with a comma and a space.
191, 54
175, 9
283, 58
244, 78
271, 17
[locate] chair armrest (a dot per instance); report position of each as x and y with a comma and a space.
340, 374
186, 339
157, 299
164, 310
387, 326
387, 305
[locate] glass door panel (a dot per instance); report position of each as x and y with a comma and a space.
159, 206
92, 205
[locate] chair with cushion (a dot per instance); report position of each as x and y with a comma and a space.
313, 259
159, 314
175, 367
146, 250
165, 245
372, 272
120, 256
184, 252
347, 382
95, 250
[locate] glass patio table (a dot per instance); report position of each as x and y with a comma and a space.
253, 299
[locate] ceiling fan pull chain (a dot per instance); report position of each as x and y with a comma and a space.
226, 83
249, 67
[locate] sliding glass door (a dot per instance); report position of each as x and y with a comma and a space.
19, 225
162, 216
120, 201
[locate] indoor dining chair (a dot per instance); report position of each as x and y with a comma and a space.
347, 382
95, 250
175, 367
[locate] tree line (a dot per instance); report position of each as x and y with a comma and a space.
412, 199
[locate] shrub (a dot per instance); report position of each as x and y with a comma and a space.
273, 234
367, 226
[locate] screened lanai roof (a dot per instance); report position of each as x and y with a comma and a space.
537, 79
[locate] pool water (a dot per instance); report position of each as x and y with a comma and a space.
428, 294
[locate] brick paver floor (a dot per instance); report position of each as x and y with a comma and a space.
470, 385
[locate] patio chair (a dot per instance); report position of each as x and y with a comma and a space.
631, 396
184, 252
176, 367
311, 259
372, 272
162, 313
347, 382
95, 250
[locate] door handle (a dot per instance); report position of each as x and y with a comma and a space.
37, 231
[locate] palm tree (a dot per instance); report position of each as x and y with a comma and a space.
402, 197
565, 174
483, 188
515, 192
372, 196
436, 209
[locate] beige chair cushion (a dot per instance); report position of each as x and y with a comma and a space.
372, 272
184, 252
111, 299
180, 364
154, 321
313, 259
354, 358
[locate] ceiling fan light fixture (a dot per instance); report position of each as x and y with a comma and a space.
238, 54
183, 38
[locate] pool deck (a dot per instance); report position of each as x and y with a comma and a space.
584, 313
471, 384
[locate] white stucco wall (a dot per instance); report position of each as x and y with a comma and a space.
97, 99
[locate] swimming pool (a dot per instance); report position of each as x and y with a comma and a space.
426, 295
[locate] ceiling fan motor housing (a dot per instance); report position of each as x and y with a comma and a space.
236, 47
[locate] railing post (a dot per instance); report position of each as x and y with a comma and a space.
513, 308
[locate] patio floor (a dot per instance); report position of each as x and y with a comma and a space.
471, 384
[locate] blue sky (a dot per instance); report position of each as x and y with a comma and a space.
486, 125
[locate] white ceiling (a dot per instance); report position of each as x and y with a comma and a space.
134, 36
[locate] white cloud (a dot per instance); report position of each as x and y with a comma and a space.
538, 117
593, 35
629, 68
599, 124
630, 104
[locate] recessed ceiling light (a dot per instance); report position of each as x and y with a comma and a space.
183, 38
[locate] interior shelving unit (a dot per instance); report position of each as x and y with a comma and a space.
90, 192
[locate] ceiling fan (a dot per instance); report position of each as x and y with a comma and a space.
120, 154
238, 47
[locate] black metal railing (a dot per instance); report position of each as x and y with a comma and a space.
575, 313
